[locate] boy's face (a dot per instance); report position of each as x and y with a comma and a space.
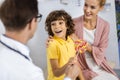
59, 28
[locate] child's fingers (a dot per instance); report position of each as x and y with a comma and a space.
71, 61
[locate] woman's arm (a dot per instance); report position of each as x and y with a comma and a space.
101, 43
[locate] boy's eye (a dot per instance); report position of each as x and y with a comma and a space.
93, 7
52, 24
60, 22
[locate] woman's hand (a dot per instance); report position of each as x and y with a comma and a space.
50, 38
89, 48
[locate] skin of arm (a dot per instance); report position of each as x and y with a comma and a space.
81, 76
57, 71
74, 71
89, 48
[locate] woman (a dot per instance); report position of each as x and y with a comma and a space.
94, 30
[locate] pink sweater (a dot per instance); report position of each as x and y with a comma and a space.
98, 47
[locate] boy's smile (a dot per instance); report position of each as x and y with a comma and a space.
59, 28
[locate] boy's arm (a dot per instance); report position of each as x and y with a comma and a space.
57, 71
81, 77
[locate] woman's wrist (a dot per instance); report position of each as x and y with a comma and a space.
89, 48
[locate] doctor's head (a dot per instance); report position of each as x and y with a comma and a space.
20, 17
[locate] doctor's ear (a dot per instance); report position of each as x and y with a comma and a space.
32, 23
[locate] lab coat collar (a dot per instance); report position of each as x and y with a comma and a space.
15, 45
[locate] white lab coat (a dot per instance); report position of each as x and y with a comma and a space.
14, 66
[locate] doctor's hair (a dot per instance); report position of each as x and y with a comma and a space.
59, 15
16, 14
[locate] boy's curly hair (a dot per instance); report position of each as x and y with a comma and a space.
59, 15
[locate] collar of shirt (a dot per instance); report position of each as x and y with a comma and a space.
15, 45
62, 41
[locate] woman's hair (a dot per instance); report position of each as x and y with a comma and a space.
15, 14
59, 15
102, 2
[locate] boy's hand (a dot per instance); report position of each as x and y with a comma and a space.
73, 71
